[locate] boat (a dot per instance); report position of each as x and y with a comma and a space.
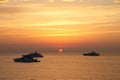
93, 53
32, 57
25, 59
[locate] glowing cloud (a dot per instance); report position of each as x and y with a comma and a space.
117, 1
26, 0
3, 1
51, 1
68, 0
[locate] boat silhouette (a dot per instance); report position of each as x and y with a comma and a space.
93, 53
32, 57
25, 59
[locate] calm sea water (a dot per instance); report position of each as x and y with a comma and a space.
61, 67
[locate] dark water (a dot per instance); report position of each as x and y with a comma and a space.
61, 67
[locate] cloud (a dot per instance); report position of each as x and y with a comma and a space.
102, 2
3, 1
9, 10
117, 1
81, 1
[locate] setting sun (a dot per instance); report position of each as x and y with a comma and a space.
72, 24
53, 39
60, 50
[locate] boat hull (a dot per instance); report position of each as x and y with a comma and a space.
90, 55
19, 60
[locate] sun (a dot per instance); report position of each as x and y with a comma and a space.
60, 50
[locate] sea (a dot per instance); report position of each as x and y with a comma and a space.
61, 67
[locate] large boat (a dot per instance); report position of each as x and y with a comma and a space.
32, 57
25, 59
93, 53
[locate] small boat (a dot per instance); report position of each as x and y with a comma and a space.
32, 57
93, 53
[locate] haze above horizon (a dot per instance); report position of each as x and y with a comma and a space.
48, 25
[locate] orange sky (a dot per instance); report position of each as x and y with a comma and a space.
37, 25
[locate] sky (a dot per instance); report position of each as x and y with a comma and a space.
47, 25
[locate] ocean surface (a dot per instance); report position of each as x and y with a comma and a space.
61, 67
